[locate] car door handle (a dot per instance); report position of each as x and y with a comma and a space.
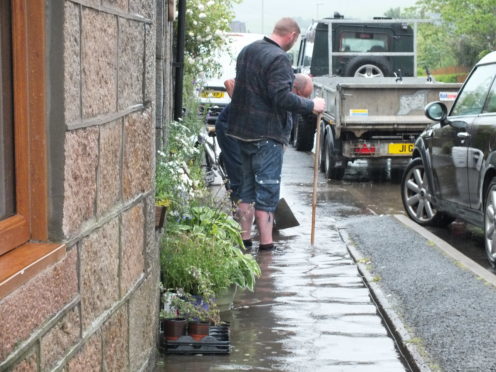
463, 135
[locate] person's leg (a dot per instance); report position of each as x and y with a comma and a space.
267, 165
231, 155
245, 218
265, 222
245, 212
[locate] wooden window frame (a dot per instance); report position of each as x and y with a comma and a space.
28, 62
24, 247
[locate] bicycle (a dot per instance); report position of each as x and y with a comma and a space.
214, 163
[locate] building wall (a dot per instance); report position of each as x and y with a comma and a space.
97, 307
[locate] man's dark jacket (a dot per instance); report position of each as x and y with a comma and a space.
262, 97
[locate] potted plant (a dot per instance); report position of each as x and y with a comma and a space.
199, 313
174, 328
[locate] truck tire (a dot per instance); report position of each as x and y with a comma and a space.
323, 134
304, 130
331, 170
368, 67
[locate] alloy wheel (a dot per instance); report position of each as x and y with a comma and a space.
489, 224
417, 196
369, 71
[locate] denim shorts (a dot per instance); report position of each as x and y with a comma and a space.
261, 165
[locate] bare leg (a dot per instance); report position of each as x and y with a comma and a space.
245, 216
265, 221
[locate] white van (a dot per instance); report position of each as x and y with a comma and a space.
213, 93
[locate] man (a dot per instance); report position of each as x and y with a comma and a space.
302, 86
259, 118
229, 147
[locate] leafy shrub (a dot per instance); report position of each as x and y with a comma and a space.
204, 250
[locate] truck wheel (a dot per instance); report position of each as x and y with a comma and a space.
323, 135
330, 169
369, 67
303, 134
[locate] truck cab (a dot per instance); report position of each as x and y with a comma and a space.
374, 48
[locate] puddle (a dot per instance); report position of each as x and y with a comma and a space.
310, 310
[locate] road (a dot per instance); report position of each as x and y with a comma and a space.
375, 189
310, 310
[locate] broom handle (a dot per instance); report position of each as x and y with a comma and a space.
315, 177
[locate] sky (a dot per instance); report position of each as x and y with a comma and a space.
250, 11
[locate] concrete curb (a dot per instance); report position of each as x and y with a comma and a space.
417, 359
410, 352
449, 250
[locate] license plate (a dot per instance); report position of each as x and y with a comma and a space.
212, 94
400, 148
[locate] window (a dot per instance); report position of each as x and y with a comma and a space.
7, 192
24, 246
361, 42
491, 100
23, 195
471, 99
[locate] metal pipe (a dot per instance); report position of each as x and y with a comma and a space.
179, 65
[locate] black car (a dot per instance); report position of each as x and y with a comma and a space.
453, 170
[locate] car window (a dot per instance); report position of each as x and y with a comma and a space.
471, 99
491, 99
363, 42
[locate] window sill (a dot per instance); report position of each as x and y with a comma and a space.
23, 263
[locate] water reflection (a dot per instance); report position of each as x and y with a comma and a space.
310, 310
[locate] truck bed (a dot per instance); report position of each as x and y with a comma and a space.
381, 103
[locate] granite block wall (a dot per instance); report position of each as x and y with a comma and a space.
96, 309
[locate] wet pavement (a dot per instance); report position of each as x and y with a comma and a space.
310, 310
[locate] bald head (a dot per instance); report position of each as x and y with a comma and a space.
303, 85
286, 26
285, 33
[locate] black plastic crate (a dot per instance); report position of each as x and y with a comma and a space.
217, 342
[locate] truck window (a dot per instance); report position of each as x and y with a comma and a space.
361, 42
307, 57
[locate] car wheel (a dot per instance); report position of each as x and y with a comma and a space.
368, 67
417, 197
368, 71
490, 223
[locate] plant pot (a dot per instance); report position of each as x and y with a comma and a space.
198, 330
160, 216
174, 328
225, 297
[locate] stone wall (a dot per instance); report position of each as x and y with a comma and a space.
97, 308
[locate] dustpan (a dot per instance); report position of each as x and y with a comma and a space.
284, 217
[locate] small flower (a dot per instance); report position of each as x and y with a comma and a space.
202, 15
201, 7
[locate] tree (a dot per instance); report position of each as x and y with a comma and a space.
469, 24
207, 21
393, 13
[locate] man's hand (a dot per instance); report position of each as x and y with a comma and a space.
318, 105
229, 84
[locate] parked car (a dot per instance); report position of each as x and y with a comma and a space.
453, 170
213, 94
359, 48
